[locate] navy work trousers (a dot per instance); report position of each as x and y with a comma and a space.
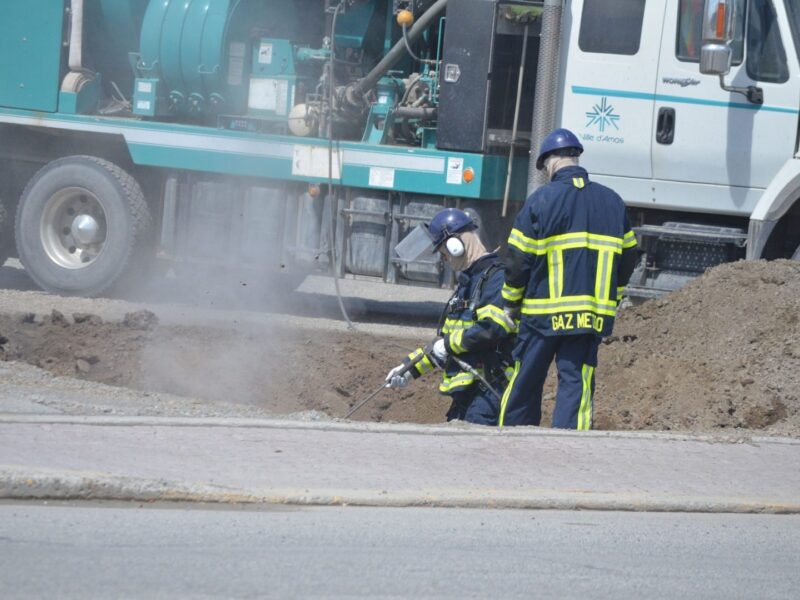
576, 359
475, 405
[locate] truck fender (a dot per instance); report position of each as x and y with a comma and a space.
781, 194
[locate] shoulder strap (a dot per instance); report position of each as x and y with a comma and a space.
478, 291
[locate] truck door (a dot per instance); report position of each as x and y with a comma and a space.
706, 137
610, 78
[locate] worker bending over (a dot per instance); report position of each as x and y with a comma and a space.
473, 329
570, 255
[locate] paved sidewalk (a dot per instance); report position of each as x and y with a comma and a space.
230, 460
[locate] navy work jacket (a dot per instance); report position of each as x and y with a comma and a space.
570, 254
474, 328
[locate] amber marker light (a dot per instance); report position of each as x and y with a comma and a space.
405, 18
313, 190
469, 175
721, 21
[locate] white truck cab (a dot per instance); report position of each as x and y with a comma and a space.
701, 153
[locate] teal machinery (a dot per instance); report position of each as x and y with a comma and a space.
437, 74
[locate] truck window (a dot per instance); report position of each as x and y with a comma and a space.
793, 8
766, 58
611, 27
690, 37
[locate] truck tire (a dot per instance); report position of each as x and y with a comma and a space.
82, 225
6, 234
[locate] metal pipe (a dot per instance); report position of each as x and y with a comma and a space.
419, 112
76, 36
398, 51
545, 100
516, 120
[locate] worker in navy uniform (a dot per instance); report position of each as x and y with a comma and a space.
473, 328
570, 255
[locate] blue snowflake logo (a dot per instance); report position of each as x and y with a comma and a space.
603, 115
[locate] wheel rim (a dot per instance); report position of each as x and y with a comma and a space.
73, 228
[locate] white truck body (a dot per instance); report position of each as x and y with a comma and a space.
727, 156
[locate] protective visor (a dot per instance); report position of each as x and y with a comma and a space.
415, 245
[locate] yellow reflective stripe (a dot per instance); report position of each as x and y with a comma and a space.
413, 356
566, 241
585, 410
570, 309
462, 379
603, 276
555, 272
545, 306
495, 314
425, 366
451, 325
455, 339
578, 182
506, 394
629, 241
522, 242
620, 292
512, 294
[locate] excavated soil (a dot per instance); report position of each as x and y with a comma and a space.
721, 354
283, 371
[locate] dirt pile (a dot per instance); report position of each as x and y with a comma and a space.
721, 353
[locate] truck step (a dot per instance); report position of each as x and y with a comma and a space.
692, 232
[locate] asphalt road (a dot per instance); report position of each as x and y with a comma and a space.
129, 551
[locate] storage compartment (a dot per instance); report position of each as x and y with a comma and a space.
483, 51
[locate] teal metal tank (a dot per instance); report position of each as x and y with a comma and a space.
194, 54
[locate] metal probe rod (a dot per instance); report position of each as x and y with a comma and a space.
365, 400
470, 369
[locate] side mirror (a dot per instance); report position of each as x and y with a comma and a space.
716, 55
715, 59
718, 21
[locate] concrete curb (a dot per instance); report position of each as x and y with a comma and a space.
92, 486
460, 429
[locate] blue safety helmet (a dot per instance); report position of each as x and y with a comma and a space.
447, 223
559, 141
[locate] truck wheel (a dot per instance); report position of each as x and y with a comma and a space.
82, 224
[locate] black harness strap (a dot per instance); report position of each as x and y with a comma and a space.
458, 305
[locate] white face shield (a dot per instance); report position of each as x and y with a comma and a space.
416, 245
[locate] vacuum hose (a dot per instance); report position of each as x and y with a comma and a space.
355, 92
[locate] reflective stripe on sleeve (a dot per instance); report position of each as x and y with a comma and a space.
620, 293
512, 294
629, 241
454, 341
424, 366
451, 325
495, 314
